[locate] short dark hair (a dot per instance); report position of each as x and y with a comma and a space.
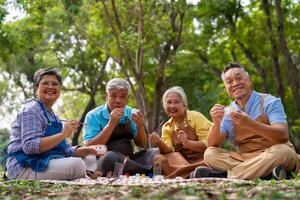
231, 65
39, 74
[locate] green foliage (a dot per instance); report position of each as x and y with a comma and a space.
3, 13
4, 137
3, 88
78, 37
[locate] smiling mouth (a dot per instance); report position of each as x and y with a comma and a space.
172, 111
237, 89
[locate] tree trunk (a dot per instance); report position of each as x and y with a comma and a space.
274, 51
232, 19
256, 65
91, 104
171, 46
159, 84
135, 63
293, 73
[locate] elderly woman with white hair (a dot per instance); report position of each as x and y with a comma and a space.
184, 136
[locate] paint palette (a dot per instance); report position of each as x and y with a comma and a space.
101, 149
138, 180
135, 111
229, 109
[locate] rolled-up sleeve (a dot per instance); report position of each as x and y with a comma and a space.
275, 112
91, 128
167, 136
203, 127
70, 150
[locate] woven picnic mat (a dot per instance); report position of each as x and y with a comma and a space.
145, 181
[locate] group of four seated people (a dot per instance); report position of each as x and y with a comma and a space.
189, 145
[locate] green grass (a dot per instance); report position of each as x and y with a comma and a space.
258, 189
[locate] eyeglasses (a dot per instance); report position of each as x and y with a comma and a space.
48, 83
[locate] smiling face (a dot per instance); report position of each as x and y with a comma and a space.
117, 98
237, 83
48, 90
174, 106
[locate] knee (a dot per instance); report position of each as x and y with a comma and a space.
209, 154
77, 168
108, 161
282, 152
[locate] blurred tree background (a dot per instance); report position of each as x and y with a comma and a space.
154, 44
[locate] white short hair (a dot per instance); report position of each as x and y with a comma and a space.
176, 89
117, 83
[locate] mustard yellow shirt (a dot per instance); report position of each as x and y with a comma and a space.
196, 120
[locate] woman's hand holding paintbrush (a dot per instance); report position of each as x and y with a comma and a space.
154, 138
70, 120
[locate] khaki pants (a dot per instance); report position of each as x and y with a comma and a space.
69, 168
258, 166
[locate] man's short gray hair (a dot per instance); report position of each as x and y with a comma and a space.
117, 83
231, 65
176, 89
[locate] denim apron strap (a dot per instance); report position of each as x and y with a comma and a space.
40, 162
53, 128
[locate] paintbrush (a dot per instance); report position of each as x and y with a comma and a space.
68, 120
156, 130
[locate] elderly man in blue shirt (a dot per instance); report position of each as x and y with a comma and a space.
117, 126
256, 124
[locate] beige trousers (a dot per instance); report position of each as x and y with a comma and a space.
68, 168
258, 166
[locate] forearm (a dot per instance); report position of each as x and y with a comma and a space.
197, 146
277, 132
50, 142
103, 136
215, 138
163, 147
82, 152
141, 137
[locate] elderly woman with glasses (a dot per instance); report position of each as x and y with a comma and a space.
38, 148
184, 136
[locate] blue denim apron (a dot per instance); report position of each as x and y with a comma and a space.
40, 162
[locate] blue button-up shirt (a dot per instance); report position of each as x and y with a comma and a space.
272, 108
26, 133
98, 118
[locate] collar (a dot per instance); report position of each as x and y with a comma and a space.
254, 95
187, 117
105, 112
45, 107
